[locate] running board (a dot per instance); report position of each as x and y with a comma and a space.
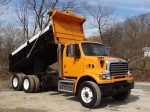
66, 85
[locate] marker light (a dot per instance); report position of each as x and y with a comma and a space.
102, 62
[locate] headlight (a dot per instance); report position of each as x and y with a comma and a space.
105, 75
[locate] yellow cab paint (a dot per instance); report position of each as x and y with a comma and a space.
71, 67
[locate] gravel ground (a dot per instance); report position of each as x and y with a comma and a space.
53, 101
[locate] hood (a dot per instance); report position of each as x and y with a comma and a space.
106, 58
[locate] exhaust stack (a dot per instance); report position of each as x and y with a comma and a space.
59, 57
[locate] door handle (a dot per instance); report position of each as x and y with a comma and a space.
64, 66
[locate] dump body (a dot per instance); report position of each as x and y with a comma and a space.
45, 47
67, 29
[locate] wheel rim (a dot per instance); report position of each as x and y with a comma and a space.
26, 84
86, 95
15, 82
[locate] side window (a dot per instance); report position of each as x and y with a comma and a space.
77, 51
67, 52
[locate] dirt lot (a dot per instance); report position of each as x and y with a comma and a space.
52, 101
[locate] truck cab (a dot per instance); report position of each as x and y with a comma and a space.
86, 61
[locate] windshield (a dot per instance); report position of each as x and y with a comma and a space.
94, 49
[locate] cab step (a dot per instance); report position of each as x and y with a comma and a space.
66, 85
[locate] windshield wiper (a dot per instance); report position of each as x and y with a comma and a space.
92, 54
105, 55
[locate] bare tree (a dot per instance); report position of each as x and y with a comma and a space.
3, 6
113, 35
10, 39
36, 11
101, 15
40, 8
74, 5
22, 13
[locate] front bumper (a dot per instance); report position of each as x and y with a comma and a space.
116, 87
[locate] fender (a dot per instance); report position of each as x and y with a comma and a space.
90, 73
94, 74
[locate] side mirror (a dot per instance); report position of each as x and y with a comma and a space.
71, 50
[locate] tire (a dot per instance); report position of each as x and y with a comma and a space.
22, 75
36, 82
89, 94
122, 95
17, 82
28, 84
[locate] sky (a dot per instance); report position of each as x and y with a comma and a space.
123, 9
129, 8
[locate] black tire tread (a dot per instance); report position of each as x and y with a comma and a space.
31, 84
23, 75
20, 82
97, 93
37, 83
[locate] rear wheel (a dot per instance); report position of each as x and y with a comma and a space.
28, 84
36, 82
122, 95
22, 75
89, 94
17, 82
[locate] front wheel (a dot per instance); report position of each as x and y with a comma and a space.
122, 95
89, 94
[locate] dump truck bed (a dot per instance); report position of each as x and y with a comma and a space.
44, 47
65, 26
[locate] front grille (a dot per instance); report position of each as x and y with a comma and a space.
118, 68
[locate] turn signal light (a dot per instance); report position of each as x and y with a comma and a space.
102, 62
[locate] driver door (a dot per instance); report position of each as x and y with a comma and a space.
72, 66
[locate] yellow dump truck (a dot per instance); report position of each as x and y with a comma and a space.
85, 67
